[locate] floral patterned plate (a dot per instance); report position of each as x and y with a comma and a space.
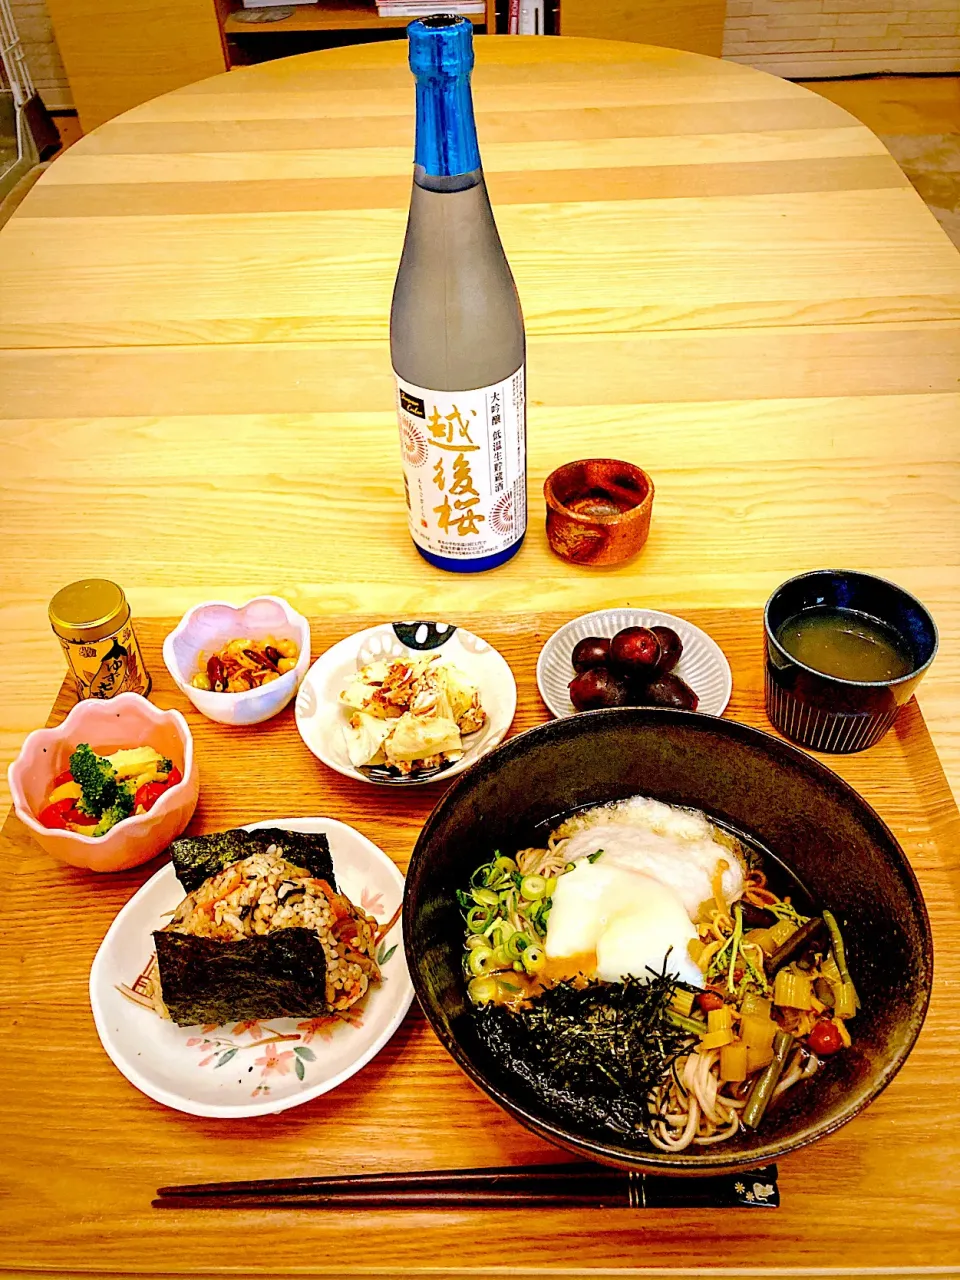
250, 1068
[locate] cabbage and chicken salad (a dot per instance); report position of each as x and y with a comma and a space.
410, 714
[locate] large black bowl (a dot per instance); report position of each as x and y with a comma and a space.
776, 796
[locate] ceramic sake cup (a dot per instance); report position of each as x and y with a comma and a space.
598, 510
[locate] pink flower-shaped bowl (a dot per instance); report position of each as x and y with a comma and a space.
127, 720
208, 627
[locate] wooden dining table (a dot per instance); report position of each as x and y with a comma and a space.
725, 278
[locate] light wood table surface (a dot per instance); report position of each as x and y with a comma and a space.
85, 1151
725, 278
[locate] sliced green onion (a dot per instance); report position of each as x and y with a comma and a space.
480, 961
479, 877
501, 933
483, 990
476, 940
479, 918
532, 887
501, 865
515, 945
534, 958
486, 897
550, 887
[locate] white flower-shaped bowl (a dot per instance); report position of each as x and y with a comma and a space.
127, 720
208, 627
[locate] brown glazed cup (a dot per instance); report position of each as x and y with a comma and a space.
598, 510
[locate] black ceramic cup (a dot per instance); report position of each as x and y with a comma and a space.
825, 712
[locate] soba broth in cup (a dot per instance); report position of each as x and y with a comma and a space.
845, 651
847, 644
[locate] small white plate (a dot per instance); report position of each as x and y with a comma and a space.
246, 1069
321, 717
702, 664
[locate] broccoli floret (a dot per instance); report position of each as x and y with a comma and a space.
97, 778
121, 808
164, 765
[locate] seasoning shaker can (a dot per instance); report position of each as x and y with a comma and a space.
91, 619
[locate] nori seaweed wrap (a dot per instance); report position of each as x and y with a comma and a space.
262, 933
282, 974
197, 858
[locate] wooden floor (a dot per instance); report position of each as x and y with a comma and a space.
917, 118
897, 104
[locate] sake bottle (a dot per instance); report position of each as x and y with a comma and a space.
456, 329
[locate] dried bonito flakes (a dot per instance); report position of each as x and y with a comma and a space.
410, 714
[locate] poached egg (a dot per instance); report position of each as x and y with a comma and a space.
628, 919
643, 872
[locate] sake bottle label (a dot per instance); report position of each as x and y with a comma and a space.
464, 466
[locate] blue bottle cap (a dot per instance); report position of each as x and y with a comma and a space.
441, 45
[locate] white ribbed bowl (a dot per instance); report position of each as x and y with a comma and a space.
702, 664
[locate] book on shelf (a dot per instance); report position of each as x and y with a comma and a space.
423, 8
527, 17
531, 18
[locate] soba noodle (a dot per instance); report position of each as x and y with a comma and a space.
701, 1099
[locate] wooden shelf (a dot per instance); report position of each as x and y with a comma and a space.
329, 15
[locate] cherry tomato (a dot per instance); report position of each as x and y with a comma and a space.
173, 777
54, 815
825, 1039
707, 1000
61, 778
80, 819
148, 795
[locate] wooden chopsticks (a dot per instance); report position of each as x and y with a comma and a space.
572, 1184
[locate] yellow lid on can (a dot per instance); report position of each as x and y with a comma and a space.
88, 610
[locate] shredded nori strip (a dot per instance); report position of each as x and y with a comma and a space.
197, 858
593, 1054
273, 975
